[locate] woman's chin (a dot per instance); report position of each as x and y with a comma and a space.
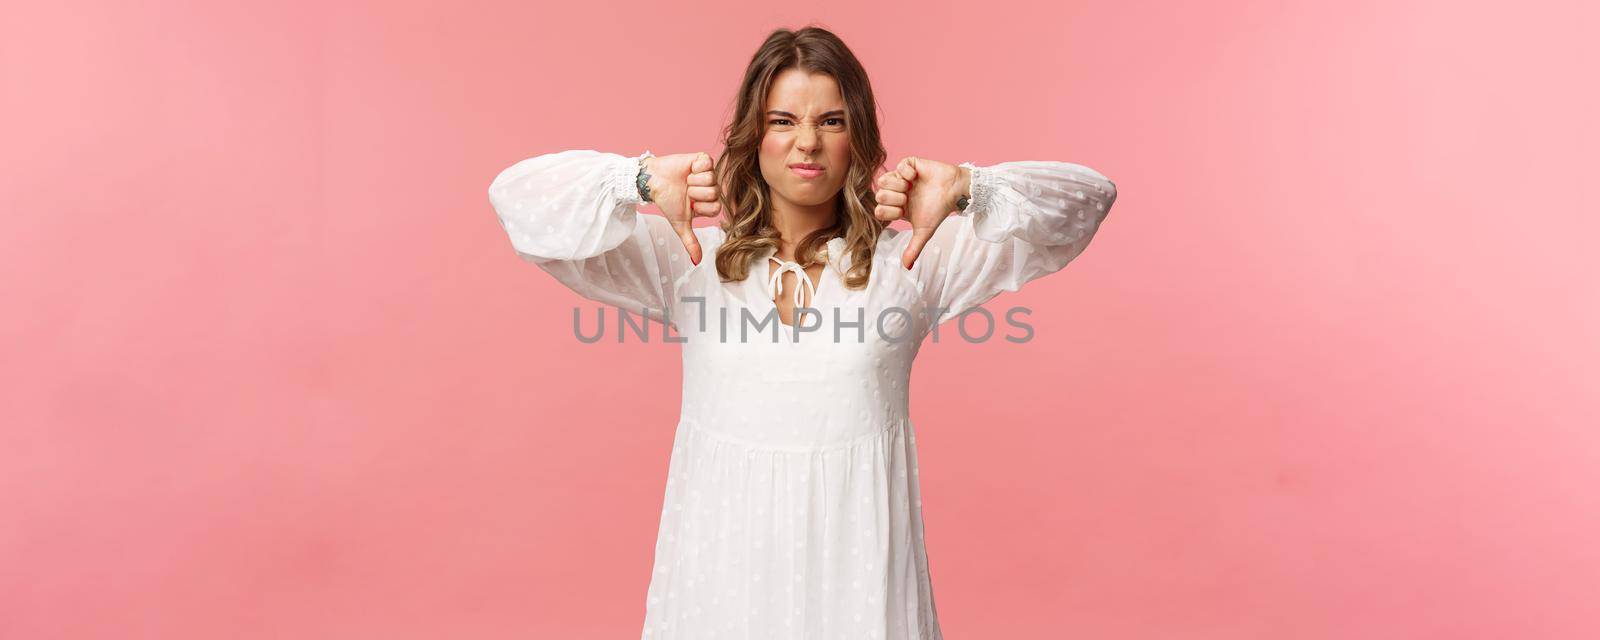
810, 195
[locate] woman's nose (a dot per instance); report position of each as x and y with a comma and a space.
807, 139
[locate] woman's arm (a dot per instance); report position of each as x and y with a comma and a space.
1025, 220
575, 215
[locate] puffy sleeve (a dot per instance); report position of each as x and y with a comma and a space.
1025, 220
575, 215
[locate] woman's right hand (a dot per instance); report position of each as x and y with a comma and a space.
684, 187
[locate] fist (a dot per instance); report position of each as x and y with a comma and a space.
923, 192
684, 187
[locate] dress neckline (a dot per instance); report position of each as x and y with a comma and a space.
817, 287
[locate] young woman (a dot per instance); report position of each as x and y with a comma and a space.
792, 506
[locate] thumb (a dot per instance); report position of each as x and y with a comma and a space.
685, 229
701, 162
919, 239
690, 242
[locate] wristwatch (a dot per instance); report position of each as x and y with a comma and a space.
644, 180
961, 205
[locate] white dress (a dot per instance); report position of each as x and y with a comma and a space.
791, 509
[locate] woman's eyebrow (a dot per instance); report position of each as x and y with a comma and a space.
786, 114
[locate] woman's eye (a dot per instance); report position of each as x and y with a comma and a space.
778, 121
839, 120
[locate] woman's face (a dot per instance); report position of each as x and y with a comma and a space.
807, 105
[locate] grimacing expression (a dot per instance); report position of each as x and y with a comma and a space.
807, 105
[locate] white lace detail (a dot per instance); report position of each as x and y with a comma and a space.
625, 179
982, 188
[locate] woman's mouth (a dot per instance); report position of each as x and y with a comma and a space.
806, 171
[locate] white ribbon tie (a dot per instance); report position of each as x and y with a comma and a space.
775, 281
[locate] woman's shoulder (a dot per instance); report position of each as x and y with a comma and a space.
710, 235
711, 238
892, 238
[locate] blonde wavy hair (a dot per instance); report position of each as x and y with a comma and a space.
746, 203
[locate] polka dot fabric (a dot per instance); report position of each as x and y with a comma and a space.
792, 509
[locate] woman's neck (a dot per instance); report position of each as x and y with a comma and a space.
794, 222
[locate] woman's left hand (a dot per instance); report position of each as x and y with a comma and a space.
923, 192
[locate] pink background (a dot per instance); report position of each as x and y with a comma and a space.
273, 371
